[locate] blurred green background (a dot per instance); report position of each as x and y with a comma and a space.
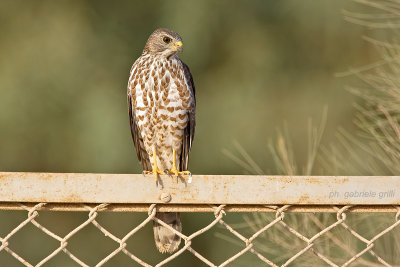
65, 64
64, 67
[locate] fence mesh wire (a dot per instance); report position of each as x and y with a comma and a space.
247, 242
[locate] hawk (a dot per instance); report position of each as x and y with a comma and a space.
161, 101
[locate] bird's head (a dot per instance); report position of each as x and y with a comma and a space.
164, 42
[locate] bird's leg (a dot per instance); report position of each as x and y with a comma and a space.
174, 170
155, 170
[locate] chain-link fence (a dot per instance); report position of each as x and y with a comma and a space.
309, 242
251, 237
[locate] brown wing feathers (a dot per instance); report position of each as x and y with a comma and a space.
137, 138
188, 134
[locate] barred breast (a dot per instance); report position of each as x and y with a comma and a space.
162, 100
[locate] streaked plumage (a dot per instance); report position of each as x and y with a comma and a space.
161, 101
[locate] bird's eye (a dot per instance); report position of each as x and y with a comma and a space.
167, 40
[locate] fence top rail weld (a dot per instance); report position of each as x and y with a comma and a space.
200, 190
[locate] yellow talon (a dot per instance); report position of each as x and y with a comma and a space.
156, 171
174, 170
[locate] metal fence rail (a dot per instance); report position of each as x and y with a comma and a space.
35, 192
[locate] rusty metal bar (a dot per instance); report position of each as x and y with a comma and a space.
199, 208
199, 190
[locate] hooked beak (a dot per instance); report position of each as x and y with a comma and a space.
178, 46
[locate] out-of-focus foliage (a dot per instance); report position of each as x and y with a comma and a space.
376, 151
64, 68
